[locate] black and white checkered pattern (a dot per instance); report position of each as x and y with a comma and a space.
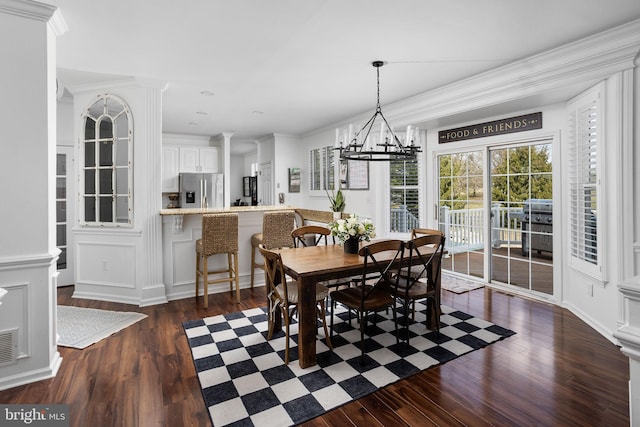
245, 382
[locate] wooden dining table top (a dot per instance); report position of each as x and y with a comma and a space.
324, 259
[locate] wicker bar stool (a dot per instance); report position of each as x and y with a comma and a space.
219, 236
276, 233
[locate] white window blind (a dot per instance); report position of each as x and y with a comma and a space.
322, 168
329, 168
585, 135
314, 169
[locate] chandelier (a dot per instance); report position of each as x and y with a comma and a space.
385, 146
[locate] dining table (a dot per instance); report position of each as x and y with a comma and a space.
312, 264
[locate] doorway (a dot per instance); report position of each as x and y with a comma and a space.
265, 184
495, 208
64, 210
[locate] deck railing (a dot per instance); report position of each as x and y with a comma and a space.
464, 228
402, 220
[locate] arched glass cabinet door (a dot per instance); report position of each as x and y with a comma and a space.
107, 170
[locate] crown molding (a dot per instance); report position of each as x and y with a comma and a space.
103, 85
28, 9
577, 64
588, 60
58, 24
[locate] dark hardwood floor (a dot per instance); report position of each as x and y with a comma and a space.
556, 371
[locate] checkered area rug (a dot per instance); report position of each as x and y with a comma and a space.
245, 382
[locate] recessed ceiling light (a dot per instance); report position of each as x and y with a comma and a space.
193, 124
207, 93
202, 113
257, 112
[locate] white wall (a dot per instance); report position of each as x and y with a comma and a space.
64, 122
188, 140
288, 154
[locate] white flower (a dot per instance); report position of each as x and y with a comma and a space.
353, 227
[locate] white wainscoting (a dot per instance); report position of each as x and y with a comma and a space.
106, 264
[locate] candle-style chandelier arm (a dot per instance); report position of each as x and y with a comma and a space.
389, 147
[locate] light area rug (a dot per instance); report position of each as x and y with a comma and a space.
80, 327
459, 285
245, 382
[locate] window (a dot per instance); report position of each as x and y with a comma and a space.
61, 209
328, 155
322, 169
585, 139
404, 205
106, 150
314, 169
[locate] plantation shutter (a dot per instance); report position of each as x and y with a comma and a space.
314, 169
404, 205
586, 133
329, 168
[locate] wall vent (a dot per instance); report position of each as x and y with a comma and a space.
8, 347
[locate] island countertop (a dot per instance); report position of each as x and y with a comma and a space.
201, 211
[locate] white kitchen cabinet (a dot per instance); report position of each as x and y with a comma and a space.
170, 169
199, 159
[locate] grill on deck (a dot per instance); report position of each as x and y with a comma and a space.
537, 226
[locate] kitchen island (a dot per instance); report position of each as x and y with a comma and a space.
180, 230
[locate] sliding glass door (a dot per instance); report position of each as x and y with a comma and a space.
522, 217
512, 224
461, 211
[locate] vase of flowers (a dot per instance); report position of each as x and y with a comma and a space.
351, 231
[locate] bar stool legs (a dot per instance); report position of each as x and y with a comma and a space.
256, 240
219, 236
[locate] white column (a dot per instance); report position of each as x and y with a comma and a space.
153, 290
629, 337
226, 152
28, 251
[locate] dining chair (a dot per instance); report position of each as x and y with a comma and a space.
417, 232
373, 290
276, 233
312, 235
421, 278
219, 237
282, 295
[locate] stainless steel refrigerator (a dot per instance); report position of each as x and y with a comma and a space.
201, 190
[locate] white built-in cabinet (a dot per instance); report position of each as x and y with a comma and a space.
170, 169
177, 159
199, 159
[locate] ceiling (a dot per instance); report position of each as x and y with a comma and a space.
292, 66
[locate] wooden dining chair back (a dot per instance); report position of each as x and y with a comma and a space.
282, 297
417, 232
276, 233
219, 236
421, 278
374, 289
310, 235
